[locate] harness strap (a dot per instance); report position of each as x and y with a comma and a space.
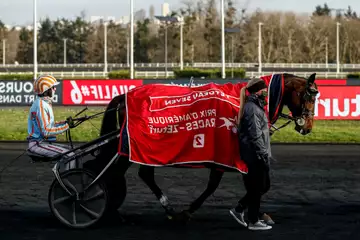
286, 116
284, 125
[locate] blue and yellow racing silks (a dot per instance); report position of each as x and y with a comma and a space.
41, 124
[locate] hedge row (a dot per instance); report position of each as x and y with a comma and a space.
125, 74
122, 74
111, 75
353, 75
30, 77
119, 74
208, 73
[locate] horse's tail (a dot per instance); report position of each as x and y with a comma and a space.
242, 103
112, 120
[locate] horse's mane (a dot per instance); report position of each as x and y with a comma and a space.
292, 76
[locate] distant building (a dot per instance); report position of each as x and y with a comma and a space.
12, 27
99, 19
111, 18
94, 19
31, 27
17, 28
124, 20
140, 15
165, 9
151, 12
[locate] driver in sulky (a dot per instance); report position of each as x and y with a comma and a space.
42, 128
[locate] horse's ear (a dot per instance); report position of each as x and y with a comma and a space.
311, 79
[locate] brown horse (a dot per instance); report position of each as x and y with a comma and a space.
299, 96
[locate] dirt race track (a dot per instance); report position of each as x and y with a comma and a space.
315, 194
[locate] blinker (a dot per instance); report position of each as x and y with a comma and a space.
300, 121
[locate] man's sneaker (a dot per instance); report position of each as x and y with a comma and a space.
259, 225
239, 217
267, 219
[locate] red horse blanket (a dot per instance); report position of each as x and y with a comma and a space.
175, 125
169, 125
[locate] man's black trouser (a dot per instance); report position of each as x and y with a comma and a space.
257, 183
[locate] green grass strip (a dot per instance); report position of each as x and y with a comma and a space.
13, 126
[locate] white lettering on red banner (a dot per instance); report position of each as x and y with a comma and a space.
95, 92
341, 102
333, 102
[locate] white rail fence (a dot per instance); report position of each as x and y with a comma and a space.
161, 74
195, 65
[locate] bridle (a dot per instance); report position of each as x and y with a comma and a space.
309, 96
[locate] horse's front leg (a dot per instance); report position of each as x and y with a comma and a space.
214, 181
146, 173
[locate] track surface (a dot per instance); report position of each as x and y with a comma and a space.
315, 194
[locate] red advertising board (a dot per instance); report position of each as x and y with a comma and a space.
338, 82
95, 92
340, 102
333, 102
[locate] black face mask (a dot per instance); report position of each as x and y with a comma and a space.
262, 96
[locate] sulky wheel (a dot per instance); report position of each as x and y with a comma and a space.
81, 209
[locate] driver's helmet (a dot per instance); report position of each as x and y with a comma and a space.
44, 83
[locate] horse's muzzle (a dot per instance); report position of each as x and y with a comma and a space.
301, 130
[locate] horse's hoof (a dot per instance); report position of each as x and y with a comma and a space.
170, 213
184, 216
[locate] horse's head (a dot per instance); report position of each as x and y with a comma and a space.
300, 96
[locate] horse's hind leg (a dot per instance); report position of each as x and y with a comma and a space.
146, 173
214, 181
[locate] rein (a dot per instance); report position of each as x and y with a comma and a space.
282, 115
85, 118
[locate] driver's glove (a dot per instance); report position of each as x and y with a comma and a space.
70, 122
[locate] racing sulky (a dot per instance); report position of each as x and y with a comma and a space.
297, 93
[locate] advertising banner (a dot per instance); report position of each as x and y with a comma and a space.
201, 82
340, 102
337, 102
333, 102
353, 82
21, 93
338, 82
95, 92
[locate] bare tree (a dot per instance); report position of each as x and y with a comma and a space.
286, 37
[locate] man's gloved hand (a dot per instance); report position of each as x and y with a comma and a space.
272, 159
265, 160
70, 122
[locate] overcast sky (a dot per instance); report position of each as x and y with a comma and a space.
20, 12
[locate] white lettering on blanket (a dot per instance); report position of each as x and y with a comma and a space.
186, 122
